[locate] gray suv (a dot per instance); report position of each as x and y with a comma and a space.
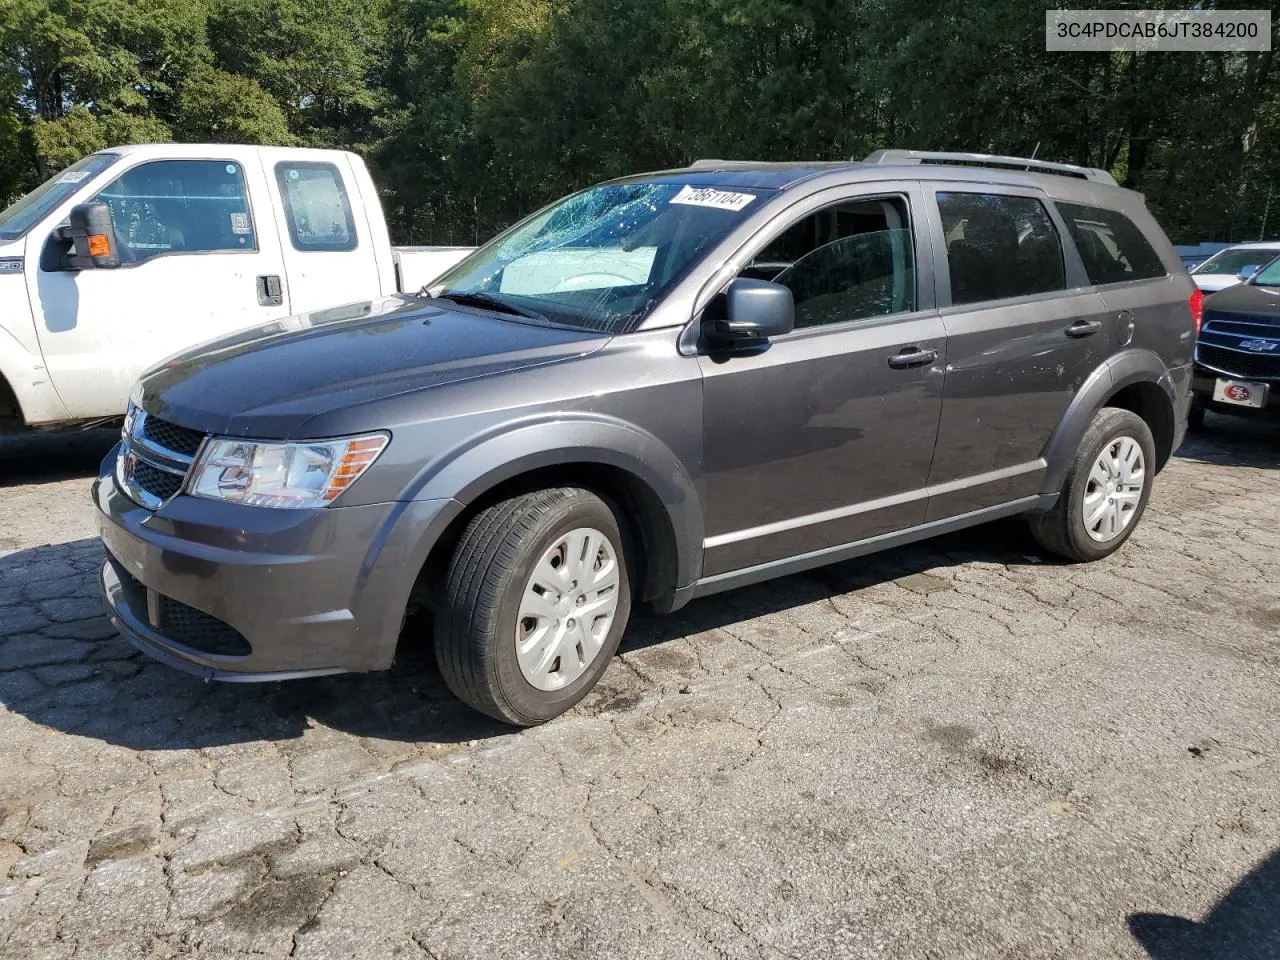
652, 390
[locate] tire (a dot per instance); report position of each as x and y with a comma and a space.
1195, 416
1063, 530
490, 590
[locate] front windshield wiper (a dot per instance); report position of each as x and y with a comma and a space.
490, 302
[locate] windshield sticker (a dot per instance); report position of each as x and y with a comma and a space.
240, 223
74, 176
710, 197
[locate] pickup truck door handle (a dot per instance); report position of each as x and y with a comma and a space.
270, 291
912, 357
1084, 328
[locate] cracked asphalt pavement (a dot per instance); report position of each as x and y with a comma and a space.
957, 749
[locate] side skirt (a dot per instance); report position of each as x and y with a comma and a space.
846, 551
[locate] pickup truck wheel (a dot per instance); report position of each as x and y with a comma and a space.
536, 598
1106, 490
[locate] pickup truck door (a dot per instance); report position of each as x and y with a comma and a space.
327, 239
200, 258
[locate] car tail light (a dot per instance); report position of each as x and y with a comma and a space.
1196, 303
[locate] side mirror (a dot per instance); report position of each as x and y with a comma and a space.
754, 311
1246, 273
92, 237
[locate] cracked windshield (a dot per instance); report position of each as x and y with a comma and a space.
600, 259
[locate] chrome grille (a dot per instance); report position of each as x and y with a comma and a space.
154, 458
1240, 348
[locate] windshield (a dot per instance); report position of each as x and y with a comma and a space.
1233, 261
600, 259
23, 213
1268, 276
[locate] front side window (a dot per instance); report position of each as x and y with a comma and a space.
316, 206
1268, 276
601, 259
849, 261
21, 215
1111, 245
999, 247
180, 206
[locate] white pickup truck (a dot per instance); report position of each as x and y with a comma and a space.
185, 243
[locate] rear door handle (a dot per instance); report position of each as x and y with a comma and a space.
912, 357
1084, 328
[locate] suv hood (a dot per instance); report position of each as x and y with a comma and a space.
268, 381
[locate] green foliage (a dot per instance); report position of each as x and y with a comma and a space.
475, 112
219, 107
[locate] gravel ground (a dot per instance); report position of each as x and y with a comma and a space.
958, 749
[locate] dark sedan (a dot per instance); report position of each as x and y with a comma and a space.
1237, 366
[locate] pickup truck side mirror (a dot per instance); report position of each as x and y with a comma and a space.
92, 237
1246, 273
754, 311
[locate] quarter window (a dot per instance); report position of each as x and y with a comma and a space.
1111, 245
999, 247
316, 206
180, 206
850, 261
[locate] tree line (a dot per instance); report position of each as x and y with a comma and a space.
474, 112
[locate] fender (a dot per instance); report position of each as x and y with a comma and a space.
1118, 372
25, 373
485, 460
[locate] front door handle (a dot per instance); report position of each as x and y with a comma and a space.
1084, 328
912, 357
270, 291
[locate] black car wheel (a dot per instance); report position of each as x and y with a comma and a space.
536, 598
1106, 490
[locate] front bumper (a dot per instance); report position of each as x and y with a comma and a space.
283, 593
1202, 384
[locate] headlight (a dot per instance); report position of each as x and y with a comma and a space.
291, 475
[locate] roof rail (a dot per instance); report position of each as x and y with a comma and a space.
712, 164
987, 160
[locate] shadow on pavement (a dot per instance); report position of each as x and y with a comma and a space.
1244, 925
47, 457
1234, 442
62, 664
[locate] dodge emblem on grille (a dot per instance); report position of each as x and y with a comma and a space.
1260, 346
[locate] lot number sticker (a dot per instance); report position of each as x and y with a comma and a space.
710, 197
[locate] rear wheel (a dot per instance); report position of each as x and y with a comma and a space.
1106, 490
536, 599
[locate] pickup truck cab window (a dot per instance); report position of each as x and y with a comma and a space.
180, 206
848, 261
316, 207
603, 258
999, 247
21, 215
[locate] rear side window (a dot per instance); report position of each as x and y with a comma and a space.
999, 247
316, 207
1111, 245
180, 206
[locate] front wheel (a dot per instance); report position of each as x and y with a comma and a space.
1106, 490
536, 598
